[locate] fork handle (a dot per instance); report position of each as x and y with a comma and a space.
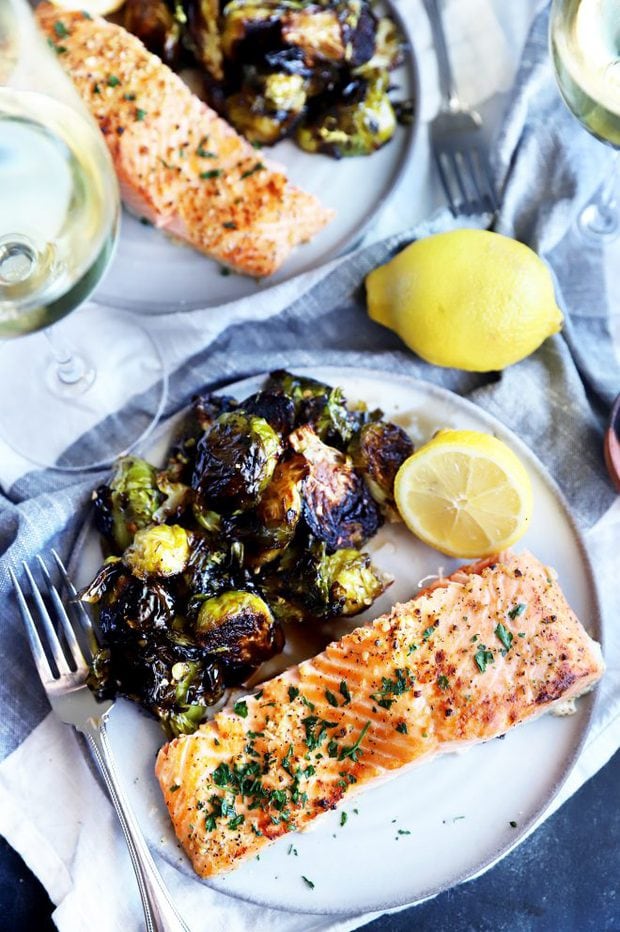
160, 914
447, 87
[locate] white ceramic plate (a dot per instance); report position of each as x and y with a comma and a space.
458, 809
175, 277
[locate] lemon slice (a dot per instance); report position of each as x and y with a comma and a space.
465, 493
92, 7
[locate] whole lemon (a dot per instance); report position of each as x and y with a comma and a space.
468, 299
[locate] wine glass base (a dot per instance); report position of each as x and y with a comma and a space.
597, 225
87, 421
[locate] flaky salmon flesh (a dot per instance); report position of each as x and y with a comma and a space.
492, 646
180, 165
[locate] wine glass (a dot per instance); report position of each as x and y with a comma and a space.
585, 48
59, 222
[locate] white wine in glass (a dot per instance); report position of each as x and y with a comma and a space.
59, 221
585, 47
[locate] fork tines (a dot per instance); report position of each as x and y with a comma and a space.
463, 164
54, 643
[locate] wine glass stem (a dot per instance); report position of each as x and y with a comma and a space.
70, 367
607, 192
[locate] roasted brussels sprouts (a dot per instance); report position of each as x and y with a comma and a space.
128, 502
378, 452
128, 604
202, 34
275, 407
337, 505
342, 583
158, 24
320, 405
162, 550
279, 509
310, 584
239, 628
235, 460
344, 32
360, 122
267, 106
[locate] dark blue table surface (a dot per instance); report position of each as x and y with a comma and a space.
565, 878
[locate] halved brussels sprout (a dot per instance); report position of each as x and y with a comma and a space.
378, 452
330, 585
279, 509
239, 628
128, 502
161, 550
235, 461
155, 23
337, 505
360, 121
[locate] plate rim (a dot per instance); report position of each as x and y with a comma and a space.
595, 628
347, 243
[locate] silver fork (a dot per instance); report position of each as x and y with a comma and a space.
64, 680
457, 139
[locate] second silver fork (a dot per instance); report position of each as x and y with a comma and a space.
62, 657
457, 138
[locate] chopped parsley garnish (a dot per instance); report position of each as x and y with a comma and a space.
474, 638
316, 729
392, 688
483, 658
86, 15
140, 114
343, 818
331, 698
175, 787
251, 171
257, 145
214, 173
513, 824
221, 775
129, 96
293, 692
402, 727
292, 850
204, 153
404, 831
354, 750
96, 89
61, 30
344, 692
113, 81
210, 823
442, 682
521, 634
307, 882
412, 648
236, 821
517, 610
505, 636
229, 225
428, 632
224, 271
307, 703
241, 708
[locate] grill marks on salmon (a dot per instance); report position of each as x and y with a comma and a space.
180, 166
475, 654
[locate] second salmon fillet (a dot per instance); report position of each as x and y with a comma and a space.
180, 165
492, 646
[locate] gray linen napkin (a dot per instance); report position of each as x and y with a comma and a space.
554, 400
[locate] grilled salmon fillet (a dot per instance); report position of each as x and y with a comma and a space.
493, 645
179, 164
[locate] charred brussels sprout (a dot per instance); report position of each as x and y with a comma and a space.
337, 506
378, 452
318, 404
343, 583
235, 461
239, 628
202, 34
194, 687
267, 106
161, 550
279, 509
360, 122
127, 603
155, 23
128, 503
275, 407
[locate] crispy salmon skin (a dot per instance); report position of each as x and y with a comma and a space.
179, 164
488, 648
